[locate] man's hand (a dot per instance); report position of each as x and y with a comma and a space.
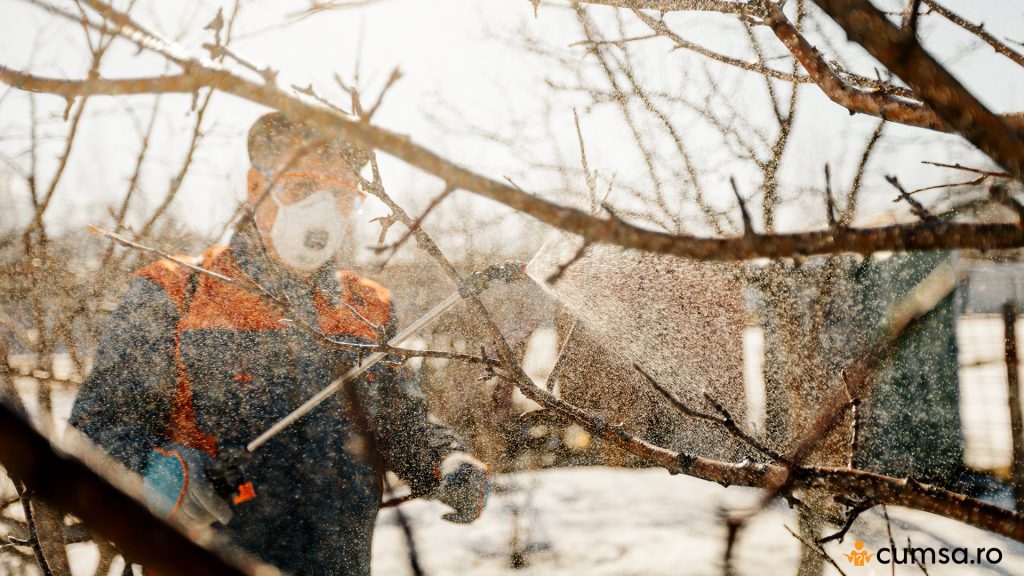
464, 487
176, 487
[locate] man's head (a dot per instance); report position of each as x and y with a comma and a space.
300, 185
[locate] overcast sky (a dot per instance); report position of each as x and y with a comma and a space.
458, 67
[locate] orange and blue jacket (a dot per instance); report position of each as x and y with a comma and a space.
190, 359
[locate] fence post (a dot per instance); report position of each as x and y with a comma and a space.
1016, 420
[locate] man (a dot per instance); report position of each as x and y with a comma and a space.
192, 367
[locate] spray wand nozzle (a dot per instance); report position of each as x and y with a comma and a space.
474, 284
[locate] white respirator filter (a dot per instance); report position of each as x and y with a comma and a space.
307, 233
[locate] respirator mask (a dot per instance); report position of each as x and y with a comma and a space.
308, 232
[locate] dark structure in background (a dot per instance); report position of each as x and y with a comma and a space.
910, 424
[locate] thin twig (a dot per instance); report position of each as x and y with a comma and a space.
856, 509
853, 195
978, 30
33, 531
817, 548
434, 203
916, 207
725, 419
920, 565
830, 205
888, 531
973, 182
959, 166
564, 266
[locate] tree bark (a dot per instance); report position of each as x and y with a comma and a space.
1016, 419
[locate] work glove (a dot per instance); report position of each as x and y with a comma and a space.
464, 486
176, 487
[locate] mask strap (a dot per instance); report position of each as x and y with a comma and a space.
274, 180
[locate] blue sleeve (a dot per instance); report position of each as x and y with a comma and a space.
125, 403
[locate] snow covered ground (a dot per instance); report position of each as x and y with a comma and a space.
608, 521
621, 522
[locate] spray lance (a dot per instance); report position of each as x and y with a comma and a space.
227, 474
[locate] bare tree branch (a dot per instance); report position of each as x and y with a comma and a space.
948, 235
899, 50
71, 485
978, 30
